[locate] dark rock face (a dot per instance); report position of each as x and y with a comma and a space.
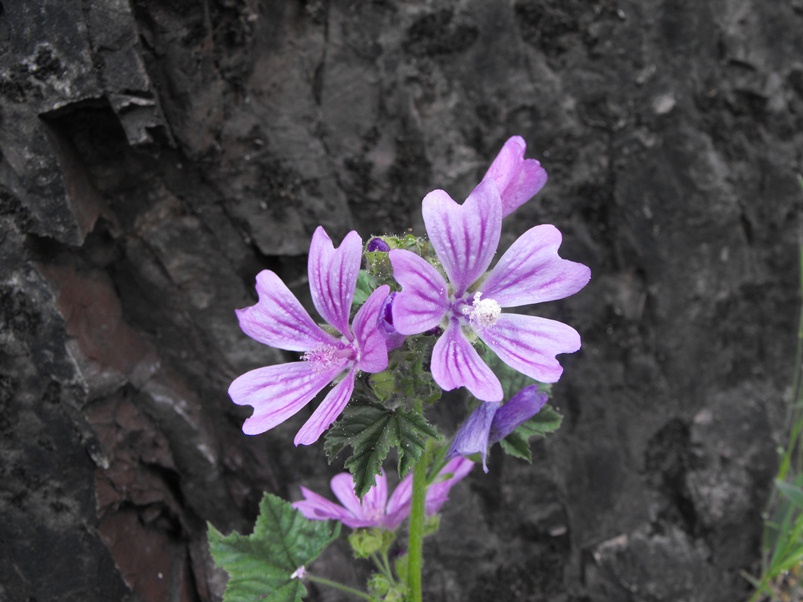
157, 155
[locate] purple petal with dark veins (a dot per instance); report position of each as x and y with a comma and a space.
326, 413
518, 179
279, 320
333, 277
473, 435
529, 344
367, 333
424, 299
466, 236
316, 507
531, 271
518, 409
455, 363
278, 392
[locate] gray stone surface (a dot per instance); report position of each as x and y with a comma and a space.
157, 155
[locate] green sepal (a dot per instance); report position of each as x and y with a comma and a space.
517, 443
371, 430
366, 284
261, 565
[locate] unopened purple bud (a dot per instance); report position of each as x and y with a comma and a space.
393, 339
472, 436
377, 244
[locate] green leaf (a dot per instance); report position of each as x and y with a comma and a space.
792, 493
261, 565
366, 284
517, 443
371, 430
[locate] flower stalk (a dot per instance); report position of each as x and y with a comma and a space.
415, 554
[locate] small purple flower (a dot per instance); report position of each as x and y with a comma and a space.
469, 305
376, 510
279, 320
492, 422
517, 178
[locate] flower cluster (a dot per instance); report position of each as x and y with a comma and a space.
447, 288
376, 510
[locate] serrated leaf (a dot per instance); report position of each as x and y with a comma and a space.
371, 430
517, 443
261, 565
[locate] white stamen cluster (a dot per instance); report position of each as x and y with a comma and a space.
482, 312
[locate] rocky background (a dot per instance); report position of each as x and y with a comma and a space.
156, 155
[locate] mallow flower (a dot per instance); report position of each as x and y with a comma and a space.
376, 510
492, 422
279, 320
470, 303
517, 178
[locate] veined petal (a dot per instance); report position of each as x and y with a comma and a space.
373, 350
343, 487
466, 236
518, 409
455, 363
518, 179
473, 435
398, 507
326, 413
278, 392
333, 276
376, 498
317, 507
529, 344
424, 298
279, 320
438, 492
531, 271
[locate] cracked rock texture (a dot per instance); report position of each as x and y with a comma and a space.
156, 155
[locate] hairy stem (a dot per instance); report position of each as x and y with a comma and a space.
415, 557
336, 585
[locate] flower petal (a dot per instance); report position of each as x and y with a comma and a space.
531, 271
278, 392
326, 413
279, 320
343, 487
438, 492
518, 409
455, 363
424, 298
518, 179
333, 276
399, 504
529, 344
373, 350
473, 435
466, 236
317, 507
376, 498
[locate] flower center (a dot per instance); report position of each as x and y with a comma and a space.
324, 356
482, 312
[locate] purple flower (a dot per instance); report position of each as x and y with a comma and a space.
517, 178
279, 320
469, 305
376, 510
492, 422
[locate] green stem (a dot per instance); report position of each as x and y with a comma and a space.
415, 554
336, 585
